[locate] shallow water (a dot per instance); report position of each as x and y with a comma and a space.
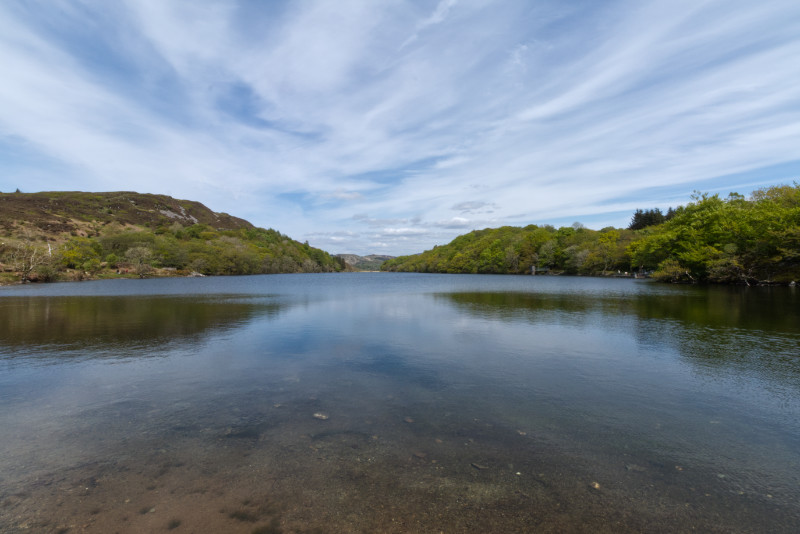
443, 404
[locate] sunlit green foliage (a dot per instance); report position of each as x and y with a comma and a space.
730, 240
712, 239
510, 250
207, 251
79, 250
138, 251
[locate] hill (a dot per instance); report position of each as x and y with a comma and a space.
372, 262
514, 250
713, 239
74, 235
58, 212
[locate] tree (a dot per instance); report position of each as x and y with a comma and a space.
25, 258
607, 243
643, 219
79, 250
140, 260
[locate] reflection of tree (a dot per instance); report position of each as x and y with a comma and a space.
535, 307
752, 330
764, 309
100, 322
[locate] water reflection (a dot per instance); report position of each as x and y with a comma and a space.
399, 404
767, 309
755, 331
95, 326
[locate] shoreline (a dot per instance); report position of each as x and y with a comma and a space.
165, 273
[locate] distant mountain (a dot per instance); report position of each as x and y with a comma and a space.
75, 235
372, 262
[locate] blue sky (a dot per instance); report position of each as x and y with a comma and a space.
392, 126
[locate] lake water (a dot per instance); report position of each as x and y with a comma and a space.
378, 402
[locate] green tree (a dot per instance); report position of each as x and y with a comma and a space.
79, 250
607, 245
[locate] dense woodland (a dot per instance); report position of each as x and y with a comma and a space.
71, 236
712, 239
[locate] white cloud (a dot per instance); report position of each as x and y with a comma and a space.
513, 113
404, 231
455, 222
341, 194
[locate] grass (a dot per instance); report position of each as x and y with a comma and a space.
8, 278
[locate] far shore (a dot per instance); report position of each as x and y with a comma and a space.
12, 279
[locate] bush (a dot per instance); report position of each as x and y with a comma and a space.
112, 260
671, 271
47, 272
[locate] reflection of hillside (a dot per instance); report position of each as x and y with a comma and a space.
74, 323
516, 305
754, 330
764, 309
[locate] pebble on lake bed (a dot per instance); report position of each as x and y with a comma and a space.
321, 416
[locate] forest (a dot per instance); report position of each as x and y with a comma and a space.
711, 239
176, 249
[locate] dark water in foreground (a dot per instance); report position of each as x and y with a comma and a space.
382, 402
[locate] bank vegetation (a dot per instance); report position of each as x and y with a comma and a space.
711, 239
74, 236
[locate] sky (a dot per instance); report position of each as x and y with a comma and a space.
388, 127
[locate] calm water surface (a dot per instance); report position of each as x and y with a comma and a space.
377, 402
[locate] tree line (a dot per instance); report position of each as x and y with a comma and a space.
711, 239
137, 251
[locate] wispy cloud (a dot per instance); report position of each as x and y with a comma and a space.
475, 206
438, 15
297, 115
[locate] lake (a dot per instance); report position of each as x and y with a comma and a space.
390, 402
